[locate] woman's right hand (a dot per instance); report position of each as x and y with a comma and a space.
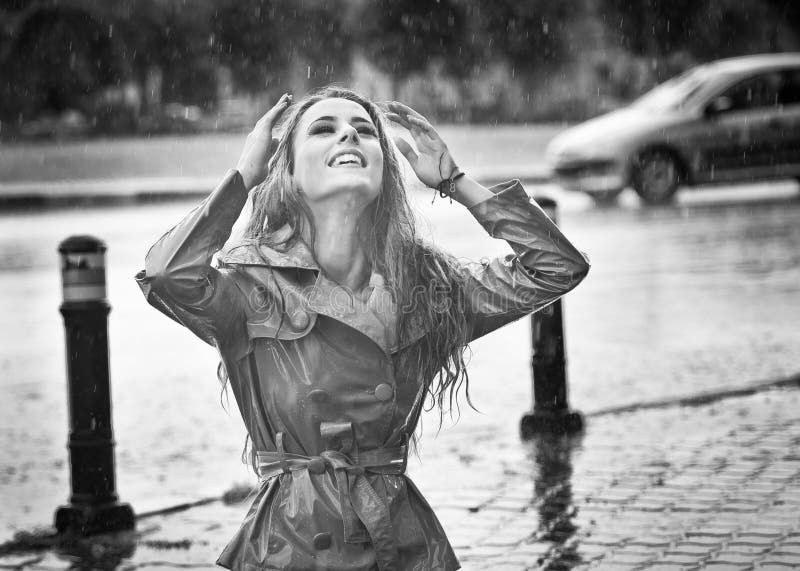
260, 145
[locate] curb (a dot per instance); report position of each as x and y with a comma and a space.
701, 399
147, 190
102, 192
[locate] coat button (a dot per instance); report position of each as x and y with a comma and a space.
316, 466
319, 396
300, 319
384, 392
322, 540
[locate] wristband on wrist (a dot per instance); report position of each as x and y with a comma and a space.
447, 188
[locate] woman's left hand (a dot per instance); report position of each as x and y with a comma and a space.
433, 163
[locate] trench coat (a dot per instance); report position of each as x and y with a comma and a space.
314, 374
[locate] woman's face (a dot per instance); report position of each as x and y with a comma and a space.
337, 151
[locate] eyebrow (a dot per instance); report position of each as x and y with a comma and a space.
355, 119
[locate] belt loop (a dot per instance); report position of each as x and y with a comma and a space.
341, 434
281, 454
405, 446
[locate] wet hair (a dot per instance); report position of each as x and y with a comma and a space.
428, 286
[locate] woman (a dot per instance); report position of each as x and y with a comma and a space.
334, 322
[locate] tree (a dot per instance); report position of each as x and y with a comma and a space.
58, 57
703, 29
528, 34
404, 36
266, 41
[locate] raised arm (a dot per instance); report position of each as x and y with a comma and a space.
178, 278
544, 266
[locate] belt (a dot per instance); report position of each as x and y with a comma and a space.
364, 514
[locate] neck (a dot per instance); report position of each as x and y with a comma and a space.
339, 244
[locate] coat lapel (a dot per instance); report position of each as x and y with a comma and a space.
375, 317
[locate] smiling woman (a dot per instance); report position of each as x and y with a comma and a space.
337, 150
334, 322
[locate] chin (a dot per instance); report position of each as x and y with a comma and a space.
355, 184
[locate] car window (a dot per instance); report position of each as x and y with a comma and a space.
754, 92
790, 90
674, 92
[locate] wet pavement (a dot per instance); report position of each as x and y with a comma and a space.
682, 300
714, 486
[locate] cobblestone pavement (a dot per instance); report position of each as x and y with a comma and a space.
714, 486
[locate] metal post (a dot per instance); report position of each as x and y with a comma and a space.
551, 412
93, 506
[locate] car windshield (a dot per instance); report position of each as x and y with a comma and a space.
674, 93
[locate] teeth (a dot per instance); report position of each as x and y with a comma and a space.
346, 159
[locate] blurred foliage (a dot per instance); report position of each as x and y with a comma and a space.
527, 34
45, 75
668, 32
154, 65
404, 36
262, 40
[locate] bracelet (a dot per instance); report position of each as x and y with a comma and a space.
447, 188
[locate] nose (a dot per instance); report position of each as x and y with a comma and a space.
349, 133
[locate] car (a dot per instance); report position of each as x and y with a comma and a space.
730, 120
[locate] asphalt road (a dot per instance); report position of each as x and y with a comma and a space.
695, 297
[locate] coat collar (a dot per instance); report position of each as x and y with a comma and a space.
294, 254
375, 319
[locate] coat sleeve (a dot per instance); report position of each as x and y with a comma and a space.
544, 266
179, 279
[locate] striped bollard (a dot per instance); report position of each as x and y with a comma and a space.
93, 505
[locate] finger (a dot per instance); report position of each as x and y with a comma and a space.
424, 135
281, 106
404, 122
414, 122
269, 118
415, 131
403, 109
407, 150
423, 126
395, 118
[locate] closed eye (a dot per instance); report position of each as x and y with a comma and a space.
326, 126
319, 128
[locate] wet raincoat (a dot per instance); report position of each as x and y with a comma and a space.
313, 372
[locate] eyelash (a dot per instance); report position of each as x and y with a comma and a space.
321, 129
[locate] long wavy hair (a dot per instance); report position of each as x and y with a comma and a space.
427, 285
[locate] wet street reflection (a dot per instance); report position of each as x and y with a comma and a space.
551, 455
105, 552
45, 549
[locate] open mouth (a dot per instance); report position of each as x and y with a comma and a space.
348, 159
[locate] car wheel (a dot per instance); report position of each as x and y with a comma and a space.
606, 197
656, 176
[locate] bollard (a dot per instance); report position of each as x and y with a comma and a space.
551, 413
93, 505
